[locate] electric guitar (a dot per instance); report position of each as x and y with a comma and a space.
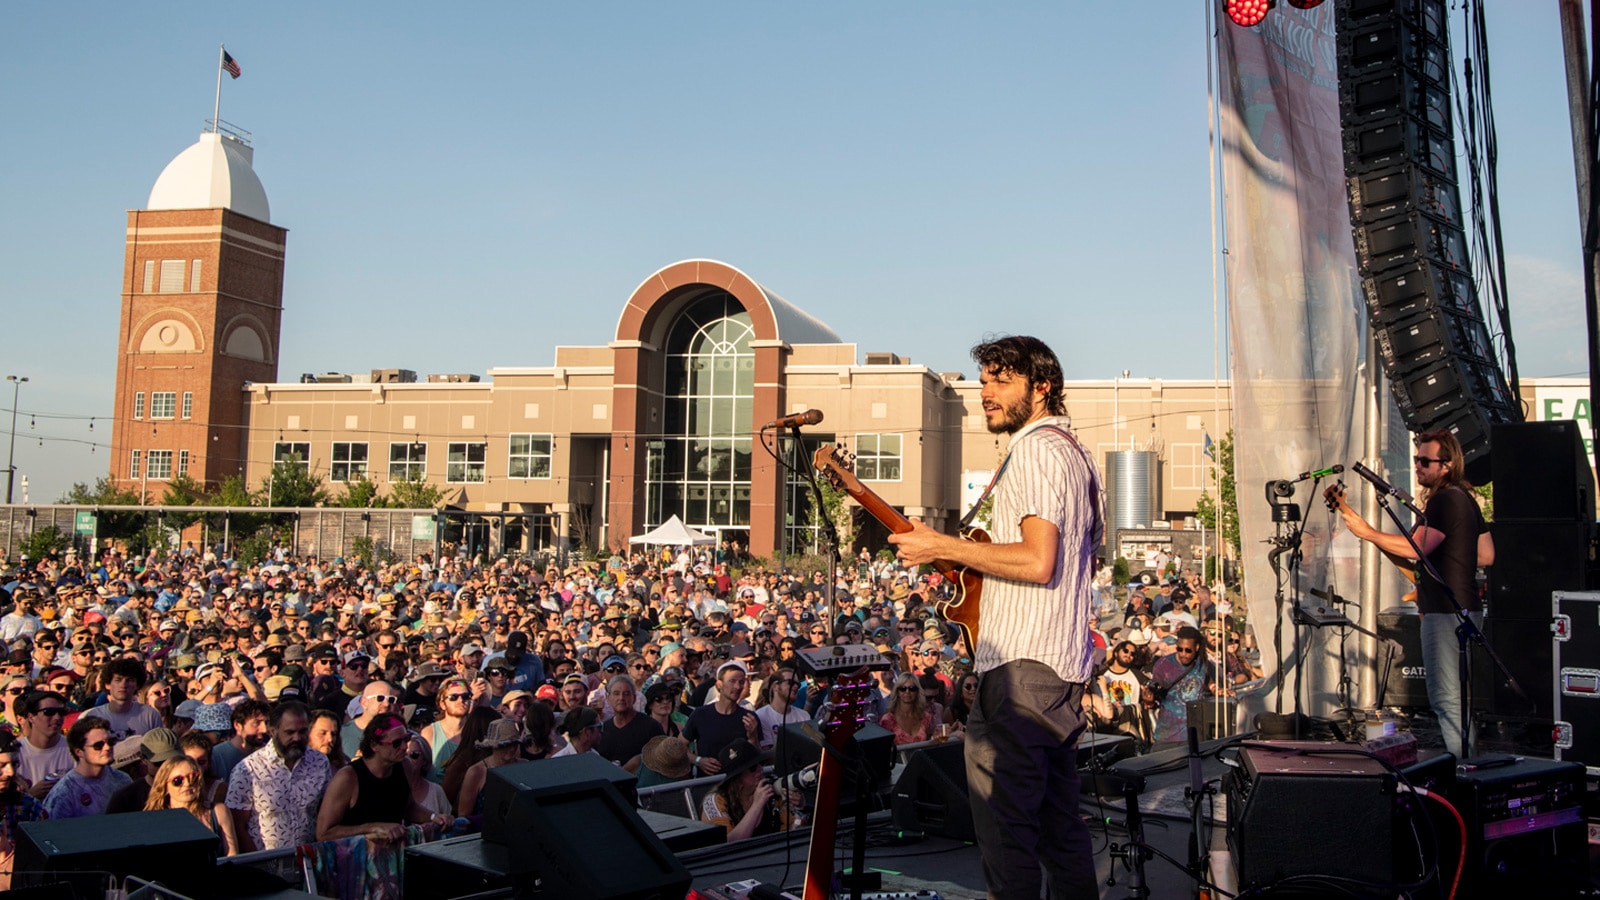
961, 610
848, 703
1334, 496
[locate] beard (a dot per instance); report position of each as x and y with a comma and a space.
1015, 415
256, 741
292, 752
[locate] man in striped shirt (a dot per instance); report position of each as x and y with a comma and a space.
1034, 652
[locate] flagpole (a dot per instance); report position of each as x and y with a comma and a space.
216, 109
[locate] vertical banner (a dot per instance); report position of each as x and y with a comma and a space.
1295, 317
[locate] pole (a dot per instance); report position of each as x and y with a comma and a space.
1574, 43
1372, 562
216, 108
11, 456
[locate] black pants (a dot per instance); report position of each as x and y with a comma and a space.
1022, 772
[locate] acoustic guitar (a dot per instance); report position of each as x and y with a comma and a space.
848, 702
961, 610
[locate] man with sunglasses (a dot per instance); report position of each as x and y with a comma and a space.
1034, 656
43, 755
87, 787
371, 797
1455, 541
1175, 680
377, 697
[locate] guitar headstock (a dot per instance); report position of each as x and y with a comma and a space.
848, 701
836, 464
1334, 496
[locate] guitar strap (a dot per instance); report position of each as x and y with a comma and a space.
1094, 484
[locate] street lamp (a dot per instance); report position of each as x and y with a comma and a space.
11, 457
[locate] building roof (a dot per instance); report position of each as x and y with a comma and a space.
215, 172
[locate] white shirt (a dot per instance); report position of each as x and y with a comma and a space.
772, 723
282, 802
1050, 478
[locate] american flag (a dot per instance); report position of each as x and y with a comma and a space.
230, 64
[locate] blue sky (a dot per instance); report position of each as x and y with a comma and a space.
470, 186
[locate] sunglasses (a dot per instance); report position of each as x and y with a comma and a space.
16, 692
389, 646
356, 664
384, 698
970, 686
652, 652
908, 689
99, 745
181, 780
51, 711
640, 666
1187, 651
1425, 461
62, 687
159, 694
397, 743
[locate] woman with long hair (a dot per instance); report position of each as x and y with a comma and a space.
325, 725
960, 706
539, 725
418, 763
473, 730
454, 701
660, 702
158, 696
179, 784
745, 803
910, 716
503, 744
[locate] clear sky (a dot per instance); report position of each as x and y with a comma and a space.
468, 186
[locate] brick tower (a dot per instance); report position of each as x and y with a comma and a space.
202, 305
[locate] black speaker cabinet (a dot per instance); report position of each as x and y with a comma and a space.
584, 840
456, 867
168, 845
1525, 647
1407, 686
506, 783
1526, 834
1534, 559
1541, 473
931, 795
1293, 813
800, 745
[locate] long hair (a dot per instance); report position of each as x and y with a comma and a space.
908, 713
1450, 452
380, 723
1029, 357
159, 794
474, 728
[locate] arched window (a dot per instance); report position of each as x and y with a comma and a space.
699, 467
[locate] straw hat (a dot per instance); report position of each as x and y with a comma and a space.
667, 756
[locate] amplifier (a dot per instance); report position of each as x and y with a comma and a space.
1525, 827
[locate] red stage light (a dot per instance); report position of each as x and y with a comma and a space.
1249, 12
1305, 4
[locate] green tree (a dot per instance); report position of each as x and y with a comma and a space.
359, 493
1207, 509
113, 525
293, 484
42, 543
183, 491
414, 494
1485, 495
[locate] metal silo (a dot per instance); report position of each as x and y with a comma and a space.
1133, 490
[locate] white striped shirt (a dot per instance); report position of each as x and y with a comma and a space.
1047, 477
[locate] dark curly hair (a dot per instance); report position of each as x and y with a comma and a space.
1029, 357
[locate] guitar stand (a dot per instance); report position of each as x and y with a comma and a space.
857, 880
1134, 853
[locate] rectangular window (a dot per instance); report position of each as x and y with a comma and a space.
133, 463
183, 462
530, 456
194, 276
292, 452
464, 465
188, 404
408, 462
149, 275
163, 404
171, 276
349, 461
878, 457
138, 404
161, 464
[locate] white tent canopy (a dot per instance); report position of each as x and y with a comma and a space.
673, 533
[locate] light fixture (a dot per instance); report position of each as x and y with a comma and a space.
1249, 12
1305, 4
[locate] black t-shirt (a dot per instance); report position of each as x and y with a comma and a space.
622, 744
1453, 512
709, 731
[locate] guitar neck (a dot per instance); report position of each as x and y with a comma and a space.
892, 520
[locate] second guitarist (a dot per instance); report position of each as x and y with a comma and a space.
1033, 652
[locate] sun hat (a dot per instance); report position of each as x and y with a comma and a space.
502, 732
737, 758
666, 755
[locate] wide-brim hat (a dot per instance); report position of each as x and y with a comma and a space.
502, 731
666, 755
738, 758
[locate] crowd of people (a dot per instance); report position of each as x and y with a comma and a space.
304, 699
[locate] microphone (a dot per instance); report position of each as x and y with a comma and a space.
809, 417
1319, 473
1385, 487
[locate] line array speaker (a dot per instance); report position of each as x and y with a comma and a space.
1407, 223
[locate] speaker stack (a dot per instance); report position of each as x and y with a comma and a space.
1544, 542
1405, 213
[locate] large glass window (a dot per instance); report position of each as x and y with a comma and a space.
530, 456
161, 464
699, 469
802, 525
293, 452
349, 461
464, 464
163, 404
878, 457
408, 462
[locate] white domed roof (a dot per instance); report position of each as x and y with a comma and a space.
214, 172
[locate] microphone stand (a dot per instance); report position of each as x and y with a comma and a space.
1285, 544
830, 537
1466, 630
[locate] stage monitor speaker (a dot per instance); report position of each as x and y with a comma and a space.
1407, 686
1532, 560
931, 795
1542, 474
169, 845
506, 783
871, 749
456, 867
585, 840
1273, 833
1212, 721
